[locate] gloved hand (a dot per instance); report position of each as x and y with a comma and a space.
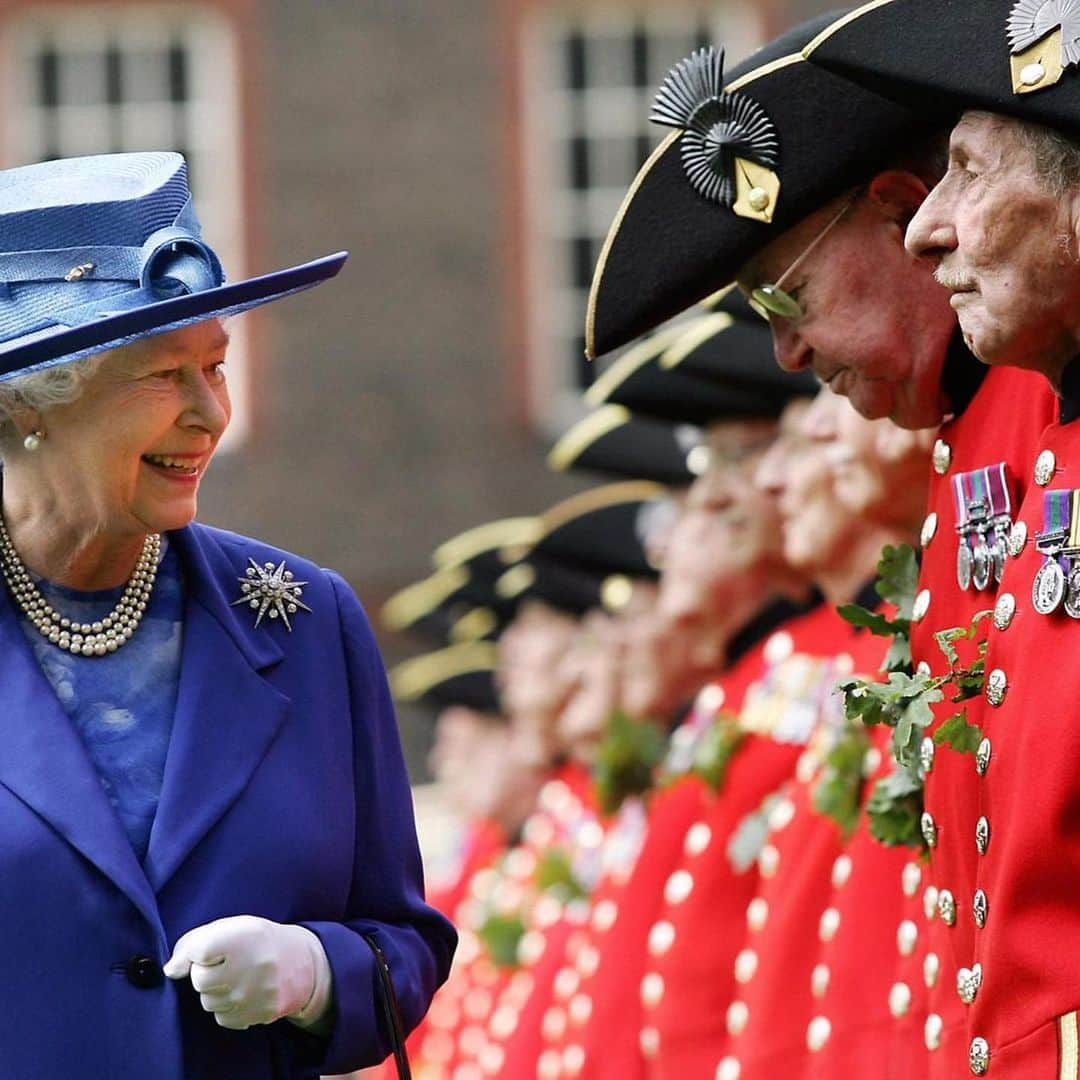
249, 970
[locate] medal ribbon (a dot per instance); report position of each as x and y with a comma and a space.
1074, 528
1057, 518
997, 486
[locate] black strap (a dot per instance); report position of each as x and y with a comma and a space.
391, 1011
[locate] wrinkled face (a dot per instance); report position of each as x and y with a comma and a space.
128, 455
531, 690
1005, 247
798, 475
725, 527
858, 289
591, 666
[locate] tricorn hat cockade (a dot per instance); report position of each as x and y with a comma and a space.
1017, 57
755, 150
100, 251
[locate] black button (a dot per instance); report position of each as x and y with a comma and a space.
144, 972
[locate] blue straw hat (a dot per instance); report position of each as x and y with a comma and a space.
100, 251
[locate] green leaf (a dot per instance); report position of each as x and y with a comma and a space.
894, 810
715, 749
626, 760
838, 790
898, 658
862, 619
898, 571
959, 734
501, 935
554, 873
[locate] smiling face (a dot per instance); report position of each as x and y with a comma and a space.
1005, 246
126, 458
858, 289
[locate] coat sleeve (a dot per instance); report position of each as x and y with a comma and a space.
387, 895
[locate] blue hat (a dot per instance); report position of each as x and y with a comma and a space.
100, 251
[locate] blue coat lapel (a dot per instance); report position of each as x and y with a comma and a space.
44, 763
227, 715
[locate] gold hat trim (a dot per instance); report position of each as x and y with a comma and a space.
473, 626
840, 23
702, 330
712, 301
515, 581
584, 433
631, 361
598, 499
506, 532
411, 679
415, 601
631, 194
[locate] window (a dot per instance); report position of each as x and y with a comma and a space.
588, 80
104, 78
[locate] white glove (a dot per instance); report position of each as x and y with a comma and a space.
249, 970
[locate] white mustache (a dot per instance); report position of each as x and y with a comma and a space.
952, 280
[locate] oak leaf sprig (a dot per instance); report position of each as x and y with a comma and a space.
626, 760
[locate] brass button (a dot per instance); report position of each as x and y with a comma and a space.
1017, 539
728, 1069
921, 606
648, 1040
738, 1015
841, 871
829, 924
942, 457
930, 902
769, 861
929, 528
996, 687
931, 968
926, 753
817, 1033
982, 757
758, 197
679, 886
698, 838
652, 989
661, 938
980, 908
911, 878
819, 980
1032, 74
1045, 467
947, 907
1004, 610
745, 966
979, 1056
968, 981
757, 913
907, 936
982, 835
899, 999
932, 1030
929, 829
781, 815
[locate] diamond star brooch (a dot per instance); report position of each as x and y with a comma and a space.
271, 590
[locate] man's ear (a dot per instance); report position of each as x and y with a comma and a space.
896, 194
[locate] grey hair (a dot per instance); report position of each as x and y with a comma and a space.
44, 389
1055, 156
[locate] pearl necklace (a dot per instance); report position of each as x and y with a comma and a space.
82, 639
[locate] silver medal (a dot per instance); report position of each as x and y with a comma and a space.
963, 565
981, 566
1072, 593
1048, 588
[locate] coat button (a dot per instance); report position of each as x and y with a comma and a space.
1017, 539
979, 1056
929, 528
942, 457
144, 972
1045, 467
982, 757
997, 684
980, 908
1004, 610
947, 907
982, 835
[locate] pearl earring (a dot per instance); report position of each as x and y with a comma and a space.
33, 440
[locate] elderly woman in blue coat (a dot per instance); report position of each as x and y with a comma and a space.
207, 848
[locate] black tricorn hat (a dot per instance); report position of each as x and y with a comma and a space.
614, 442
748, 159
945, 56
567, 586
602, 529
457, 675
717, 366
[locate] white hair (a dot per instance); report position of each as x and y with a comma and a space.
1056, 157
44, 389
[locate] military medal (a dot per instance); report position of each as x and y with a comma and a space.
983, 519
1049, 586
1072, 578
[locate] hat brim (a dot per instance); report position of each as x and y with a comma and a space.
64, 344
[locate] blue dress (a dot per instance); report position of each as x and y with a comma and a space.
122, 704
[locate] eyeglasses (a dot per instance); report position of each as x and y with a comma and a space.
773, 299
